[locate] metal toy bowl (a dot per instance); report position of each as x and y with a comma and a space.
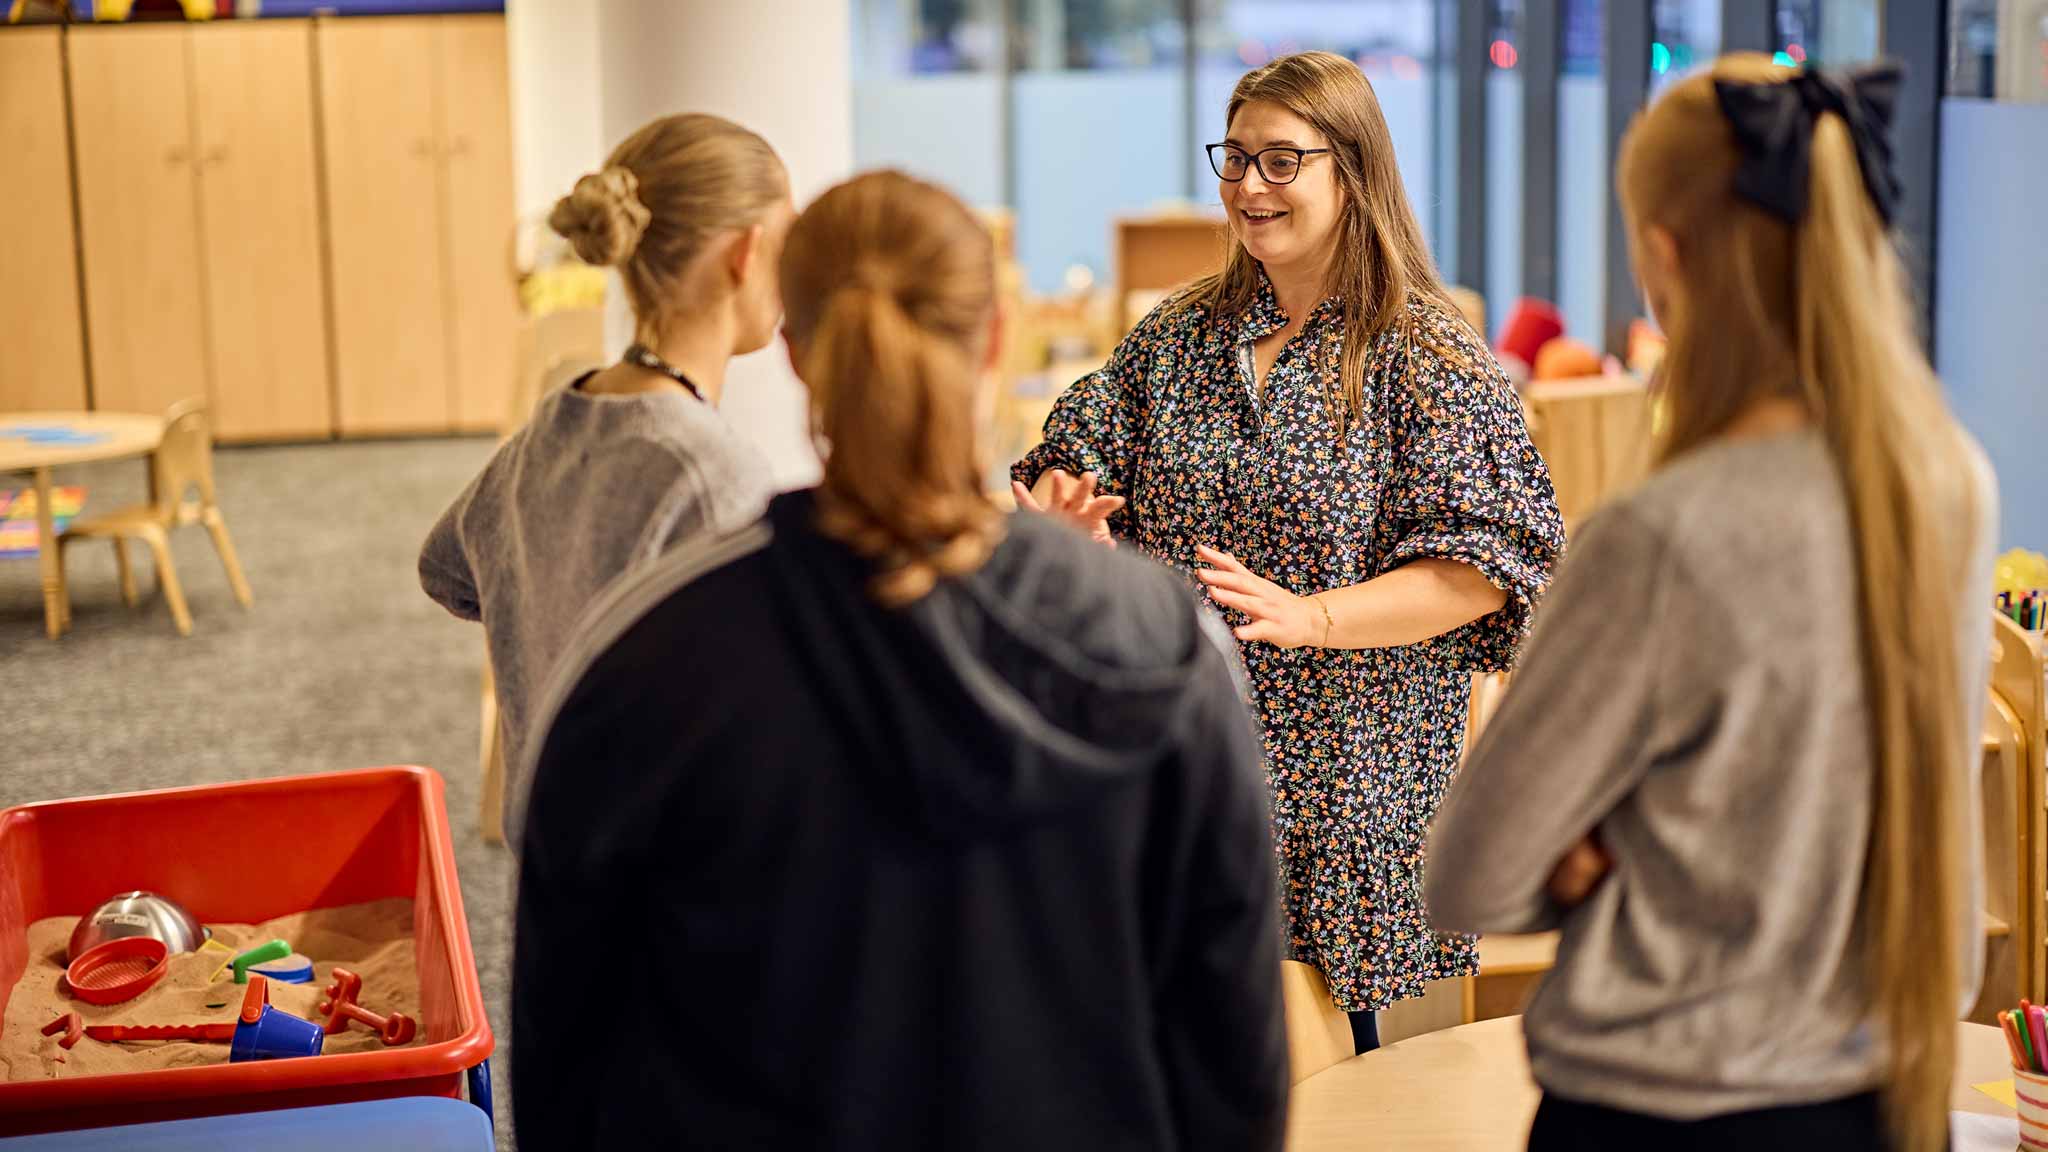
138, 914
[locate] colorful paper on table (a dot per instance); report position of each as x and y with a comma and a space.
1999, 1090
18, 517
50, 434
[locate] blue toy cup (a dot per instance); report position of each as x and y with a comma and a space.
275, 1036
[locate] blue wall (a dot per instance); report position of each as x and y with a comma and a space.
1991, 297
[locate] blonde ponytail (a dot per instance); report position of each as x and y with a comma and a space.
1910, 502
1820, 309
888, 289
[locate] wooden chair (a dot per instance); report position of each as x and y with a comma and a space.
2020, 706
1318, 1032
181, 464
1594, 433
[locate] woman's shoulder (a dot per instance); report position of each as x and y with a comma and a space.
1438, 362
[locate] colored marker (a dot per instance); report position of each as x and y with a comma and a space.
2012, 1039
2026, 1042
2038, 1027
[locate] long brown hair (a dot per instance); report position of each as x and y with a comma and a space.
661, 196
1381, 262
888, 290
1819, 309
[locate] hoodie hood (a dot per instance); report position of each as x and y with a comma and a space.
1056, 672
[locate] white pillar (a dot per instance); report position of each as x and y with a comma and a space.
780, 67
558, 130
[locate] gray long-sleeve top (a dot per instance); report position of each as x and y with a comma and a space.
591, 487
1693, 691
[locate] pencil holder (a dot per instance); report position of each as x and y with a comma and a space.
2031, 1092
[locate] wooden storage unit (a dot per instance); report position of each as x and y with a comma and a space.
138, 216
43, 366
260, 230
199, 223
1156, 254
418, 168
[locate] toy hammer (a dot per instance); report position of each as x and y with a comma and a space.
340, 1007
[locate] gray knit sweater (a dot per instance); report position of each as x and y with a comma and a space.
591, 487
1692, 691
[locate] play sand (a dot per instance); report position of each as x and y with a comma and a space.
372, 940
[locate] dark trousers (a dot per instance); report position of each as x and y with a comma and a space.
1852, 1122
1365, 1030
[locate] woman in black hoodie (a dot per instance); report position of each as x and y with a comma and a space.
919, 825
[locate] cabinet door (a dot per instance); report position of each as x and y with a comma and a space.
379, 132
138, 217
259, 204
479, 218
43, 367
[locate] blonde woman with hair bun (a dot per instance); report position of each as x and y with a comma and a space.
622, 463
1738, 763
951, 822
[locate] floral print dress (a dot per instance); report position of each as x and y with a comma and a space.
1359, 745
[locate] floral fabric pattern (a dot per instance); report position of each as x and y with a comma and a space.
1359, 745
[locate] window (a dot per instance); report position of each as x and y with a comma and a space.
927, 92
1584, 176
1685, 36
1076, 168
1832, 32
1503, 160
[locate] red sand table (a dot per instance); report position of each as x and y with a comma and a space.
245, 853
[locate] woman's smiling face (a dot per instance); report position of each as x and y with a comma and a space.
1290, 226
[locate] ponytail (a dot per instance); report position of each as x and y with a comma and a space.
891, 354
1911, 504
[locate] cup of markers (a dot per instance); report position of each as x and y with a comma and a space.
2029, 611
2026, 1034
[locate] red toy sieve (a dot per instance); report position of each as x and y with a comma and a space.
117, 970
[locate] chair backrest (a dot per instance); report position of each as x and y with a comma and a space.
547, 343
2017, 683
1318, 1032
184, 457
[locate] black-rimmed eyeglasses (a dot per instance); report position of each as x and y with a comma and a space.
1275, 165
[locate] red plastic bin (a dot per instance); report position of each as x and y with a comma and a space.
244, 853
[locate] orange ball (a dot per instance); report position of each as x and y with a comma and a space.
1564, 358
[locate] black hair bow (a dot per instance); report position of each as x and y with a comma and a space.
1774, 126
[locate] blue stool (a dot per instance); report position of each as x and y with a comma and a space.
405, 1124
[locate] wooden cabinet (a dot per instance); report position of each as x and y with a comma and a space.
199, 223
478, 215
259, 211
138, 217
418, 146
308, 223
42, 346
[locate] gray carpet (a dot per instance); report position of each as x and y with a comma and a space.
341, 663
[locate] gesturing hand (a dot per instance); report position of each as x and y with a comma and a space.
1075, 502
1277, 616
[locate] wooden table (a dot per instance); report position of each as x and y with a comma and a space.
100, 436
1467, 1089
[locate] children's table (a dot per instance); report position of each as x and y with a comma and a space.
36, 442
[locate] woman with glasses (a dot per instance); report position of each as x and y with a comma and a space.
1318, 440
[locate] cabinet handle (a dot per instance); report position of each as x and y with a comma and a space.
214, 158
460, 147
423, 147
175, 156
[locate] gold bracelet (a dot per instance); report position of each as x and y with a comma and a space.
1329, 623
